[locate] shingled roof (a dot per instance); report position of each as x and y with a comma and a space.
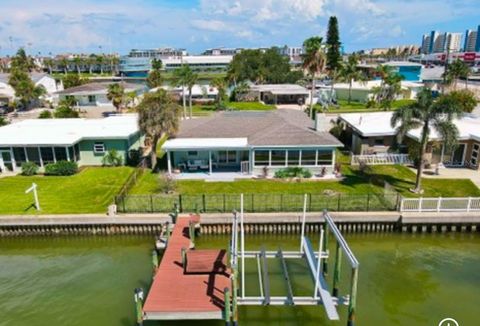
262, 128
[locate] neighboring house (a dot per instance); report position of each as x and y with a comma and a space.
95, 94
364, 91
7, 93
85, 141
251, 142
371, 133
280, 93
200, 93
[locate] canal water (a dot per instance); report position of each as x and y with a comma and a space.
404, 280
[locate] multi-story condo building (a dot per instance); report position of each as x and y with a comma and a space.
436, 42
426, 40
139, 62
470, 40
222, 51
453, 42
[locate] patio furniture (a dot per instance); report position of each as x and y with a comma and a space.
193, 165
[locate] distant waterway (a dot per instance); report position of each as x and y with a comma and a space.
405, 279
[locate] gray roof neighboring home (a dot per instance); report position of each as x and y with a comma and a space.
261, 128
35, 76
280, 89
98, 88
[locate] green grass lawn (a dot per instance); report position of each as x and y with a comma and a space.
345, 107
354, 183
89, 191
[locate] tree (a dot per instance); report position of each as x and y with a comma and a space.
157, 64
428, 114
180, 78
158, 117
350, 73
191, 80
112, 158
65, 111
100, 60
22, 62
64, 63
116, 94
72, 80
335, 75
456, 70
314, 62
465, 98
48, 62
220, 84
333, 45
78, 61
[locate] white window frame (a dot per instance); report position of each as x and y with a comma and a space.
96, 148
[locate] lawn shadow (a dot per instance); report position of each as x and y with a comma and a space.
369, 176
32, 205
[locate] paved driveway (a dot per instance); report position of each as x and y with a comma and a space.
454, 173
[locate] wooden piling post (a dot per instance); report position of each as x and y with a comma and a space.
227, 312
191, 233
234, 296
325, 248
154, 261
138, 296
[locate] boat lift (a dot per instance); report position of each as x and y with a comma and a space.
317, 262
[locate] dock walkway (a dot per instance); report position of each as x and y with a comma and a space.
175, 295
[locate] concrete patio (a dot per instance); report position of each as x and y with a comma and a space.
214, 177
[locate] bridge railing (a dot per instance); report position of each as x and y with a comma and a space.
381, 159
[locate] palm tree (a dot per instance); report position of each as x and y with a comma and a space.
77, 61
350, 73
335, 75
100, 59
314, 61
116, 94
180, 78
158, 116
191, 80
428, 114
241, 89
48, 62
220, 84
456, 70
64, 63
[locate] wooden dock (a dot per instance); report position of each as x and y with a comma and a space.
176, 295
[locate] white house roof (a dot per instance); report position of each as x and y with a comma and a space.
279, 89
378, 124
199, 59
205, 143
64, 132
369, 85
370, 124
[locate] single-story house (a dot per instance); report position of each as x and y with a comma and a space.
371, 133
364, 91
95, 94
279, 93
85, 141
199, 92
7, 93
251, 142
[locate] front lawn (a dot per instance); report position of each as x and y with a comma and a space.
355, 183
89, 191
201, 110
355, 107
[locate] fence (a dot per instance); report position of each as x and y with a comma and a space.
132, 180
464, 204
220, 203
378, 159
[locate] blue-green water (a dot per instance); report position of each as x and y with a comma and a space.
404, 280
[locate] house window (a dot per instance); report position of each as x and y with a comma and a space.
92, 99
324, 158
308, 157
293, 158
261, 158
99, 148
47, 154
60, 153
379, 142
278, 158
192, 153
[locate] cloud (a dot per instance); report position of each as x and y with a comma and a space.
209, 25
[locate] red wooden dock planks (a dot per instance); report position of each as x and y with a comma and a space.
192, 295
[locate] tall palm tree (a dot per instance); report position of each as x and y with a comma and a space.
116, 94
158, 116
220, 84
180, 78
100, 59
64, 63
49, 62
428, 114
456, 70
78, 61
191, 80
335, 75
314, 62
350, 73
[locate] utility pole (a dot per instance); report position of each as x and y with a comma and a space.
445, 70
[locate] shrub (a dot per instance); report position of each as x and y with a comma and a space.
61, 168
29, 168
65, 111
293, 172
45, 114
112, 158
167, 183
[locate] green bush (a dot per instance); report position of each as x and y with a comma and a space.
293, 172
112, 158
61, 168
45, 114
64, 111
29, 168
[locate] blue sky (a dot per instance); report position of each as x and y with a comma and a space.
117, 26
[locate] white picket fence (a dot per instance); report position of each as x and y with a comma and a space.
439, 204
381, 159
